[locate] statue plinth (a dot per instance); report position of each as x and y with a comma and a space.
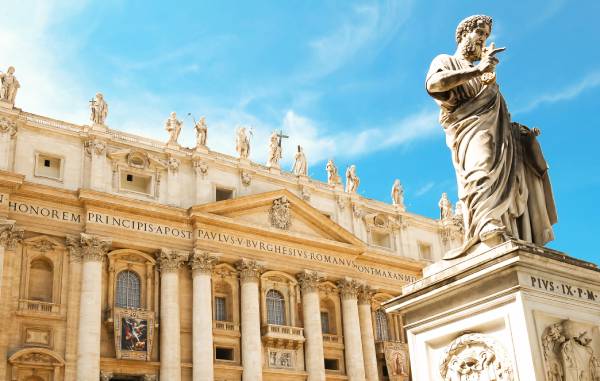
493, 312
275, 170
99, 127
5, 104
202, 149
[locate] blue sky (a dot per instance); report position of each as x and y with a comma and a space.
344, 79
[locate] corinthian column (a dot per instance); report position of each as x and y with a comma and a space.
9, 236
311, 308
355, 369
251, 346
202, 264
365, 296
93, 251
170, 343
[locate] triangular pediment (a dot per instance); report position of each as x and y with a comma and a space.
255, 211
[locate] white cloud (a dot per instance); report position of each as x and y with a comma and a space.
590, 81
424, 189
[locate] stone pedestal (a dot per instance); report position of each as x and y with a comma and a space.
514, 312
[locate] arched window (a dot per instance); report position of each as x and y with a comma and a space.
275, 308
128, 289
41, 280
381, 326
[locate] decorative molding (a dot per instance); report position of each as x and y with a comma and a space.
476, 357
201, 168
8, 126
202, 262
365, 295
341, 202
171, 260
93, 247
94, 145
249, 270
280, 213
173, 164
73, 244
348, 288
106, 376
10, 235
306, 193
246, 178
309, 281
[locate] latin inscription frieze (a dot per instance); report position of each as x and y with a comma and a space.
139, 225
300, 253
41, 211
564, 289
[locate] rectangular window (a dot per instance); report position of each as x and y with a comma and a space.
223, 194
425, 251
224, 354
220, 309
48, 166
332, 364
381, 239
324, 322
136, 183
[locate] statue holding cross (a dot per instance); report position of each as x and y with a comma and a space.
275, 152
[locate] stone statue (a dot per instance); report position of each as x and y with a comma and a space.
242, 143
201, 132
333, 178
300, 165
99, 109
397, 193
352, 181
274, 151
9, 86
173, 127
568, 355
500, 170
445, 208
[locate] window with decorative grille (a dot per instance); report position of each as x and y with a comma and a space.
128, 290
382, 332
275, 308
220, 309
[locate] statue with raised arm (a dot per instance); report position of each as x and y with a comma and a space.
9, 85
99, 109
333, 178
352, 180
501, 173
173, 127
300, 165
201, 132
397, 193
242, 143
274, 150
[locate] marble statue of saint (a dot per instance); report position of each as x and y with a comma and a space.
274, 151
352, 180
500, 170
201, 132
300, 165
173, 127
397, 193
445, 208
242, 143
9, 86
333, 178
99, 109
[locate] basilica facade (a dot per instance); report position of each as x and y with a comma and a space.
125, 258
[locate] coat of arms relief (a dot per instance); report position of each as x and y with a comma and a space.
280, 213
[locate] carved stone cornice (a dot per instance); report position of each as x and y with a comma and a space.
202, 262
93, 247
10, 235
348, 288
309, 281
8, 126
365, 295
249, 270
73, 244
43, 245
171, 260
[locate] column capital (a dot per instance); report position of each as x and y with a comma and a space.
10, 235
93, 247
249, 270
309, 281
365, 295
202, 262
171, 260
348, 288
73, 244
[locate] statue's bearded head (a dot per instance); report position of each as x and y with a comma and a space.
471, 34
11, 70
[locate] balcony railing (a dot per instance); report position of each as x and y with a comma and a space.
329, 338
38, 307
225, 326
282, 336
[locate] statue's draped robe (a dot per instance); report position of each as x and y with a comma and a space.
500, 170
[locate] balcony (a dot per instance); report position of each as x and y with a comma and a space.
282, 336
381, 345
331, 339
38, 307
226, 328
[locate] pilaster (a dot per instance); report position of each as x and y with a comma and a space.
73, 244
8, 135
